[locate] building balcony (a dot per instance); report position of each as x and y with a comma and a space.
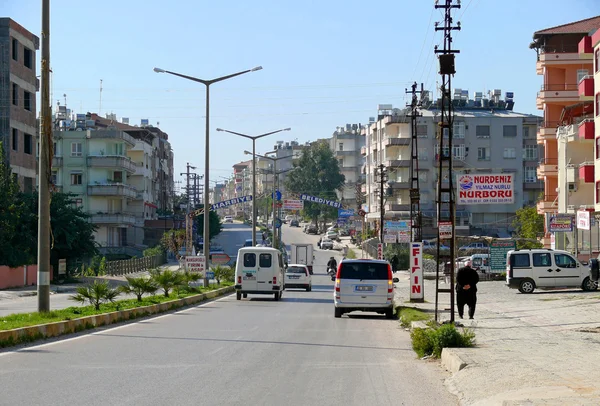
363, 188
567, 131
558, 56
111, 135
547, 131
396, 120
397, 163
112, 189
538, 184
346, 136
549, 202
112, 162
586, 172
396, 142
399, 184
345, 153
397, 207
585, 46
547, 167
586, 88
456, 162
586, 130
57, 161
363, 151
112, 218
557, 93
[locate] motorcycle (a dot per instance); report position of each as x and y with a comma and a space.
331, 272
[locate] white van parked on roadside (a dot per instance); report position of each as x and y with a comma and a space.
527, 270
259, 270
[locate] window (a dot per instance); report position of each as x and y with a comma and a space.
581, 73
509, 153
422, 130
265, 260
482, 131
445, 151
509, 131
118, 177
564, 261
341, 163
15, 49
422, 154
520, 260
598, 148
530, 174
28, 58
76, 178
530, 152
459, 130
363, 271
54, 176
458, 151
76, 149
250, 260
341, 146
542, 260
422, 176
28, 144
297, 269
15, 94
526, 132
597, 60
27, 101
483, 154
15, 139
27, 184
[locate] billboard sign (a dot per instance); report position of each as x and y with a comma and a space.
560, 223
293, 204
485, 189
320, 200
416, 271
583, 220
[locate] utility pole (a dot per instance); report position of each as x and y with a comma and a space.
381, 173
416, 226
188, 220
45, 170
446, 207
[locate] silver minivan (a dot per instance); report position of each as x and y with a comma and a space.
364, 285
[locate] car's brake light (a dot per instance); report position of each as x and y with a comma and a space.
390, 279
239, 279
274, 280
338, 274
337, 285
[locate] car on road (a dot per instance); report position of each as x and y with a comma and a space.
311, 229
228, 219
298, 276
294, 223
326, 244
364, 285
475, 246
259, 270
332, 235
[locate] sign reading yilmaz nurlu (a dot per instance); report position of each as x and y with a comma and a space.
498, 251
485, 189
320, 200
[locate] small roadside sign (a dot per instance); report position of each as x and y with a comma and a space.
445, 228
62, 266
195, 263
380, 251
210, 275
220, 258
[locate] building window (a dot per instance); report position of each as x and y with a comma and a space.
482, 131
509, 153
77, 203
27, 184
15, 94
530, 174
54, 176
458, 151
581, 73
76, 149
27, 101
598, 148
118, 177
422, 154
530, 152
15, 139
76, 178
28, 58
15, 49
341, 146
341, 163
597, 60
422, 130
526, 132
28, 144
483, 154
509, 131
459, 130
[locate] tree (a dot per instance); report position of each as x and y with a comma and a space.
139, 286
96, 294
215, 225
317, 173
529, 226
174, 241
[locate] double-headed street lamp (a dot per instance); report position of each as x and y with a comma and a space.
254, 138
207, 83
254, 155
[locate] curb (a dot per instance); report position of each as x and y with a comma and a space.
27, 334
450, 359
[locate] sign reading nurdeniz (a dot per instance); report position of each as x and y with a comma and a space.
485, 189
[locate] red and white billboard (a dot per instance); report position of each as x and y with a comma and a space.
416, 271
485, 189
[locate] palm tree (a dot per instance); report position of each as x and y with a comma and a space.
96, 294
139, 286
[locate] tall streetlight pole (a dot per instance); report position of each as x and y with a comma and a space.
274, 189
43, 276
254, 138
207, 83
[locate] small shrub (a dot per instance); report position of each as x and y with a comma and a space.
351, 254
95, 294
151, 252
224, 273
431, 340
167, 280
139, 286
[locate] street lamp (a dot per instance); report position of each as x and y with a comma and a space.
254, 138
254, 155
207, 83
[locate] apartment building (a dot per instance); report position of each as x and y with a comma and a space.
116, 172
484, 124
346, 144
564, 59
18, 88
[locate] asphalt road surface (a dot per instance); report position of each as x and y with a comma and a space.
228, 352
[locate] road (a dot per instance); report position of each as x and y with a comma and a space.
228, 352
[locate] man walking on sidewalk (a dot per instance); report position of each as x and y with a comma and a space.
466, 290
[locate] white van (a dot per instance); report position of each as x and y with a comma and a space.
259, 270
527, 270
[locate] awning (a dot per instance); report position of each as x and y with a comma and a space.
150, 205
576, 110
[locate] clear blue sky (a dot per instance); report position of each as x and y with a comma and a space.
326, 63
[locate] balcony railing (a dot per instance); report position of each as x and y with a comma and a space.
560, 87
112, 218
345, 153
397, 163
538, 184
547, 166
399, 184
586, 129
586, 172
586, 87
112, 161
112, 189
393, 142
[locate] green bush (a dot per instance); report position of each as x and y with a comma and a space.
431, 340
95, 294
224, 273
139, 286
167, 280
351, 254
151, 252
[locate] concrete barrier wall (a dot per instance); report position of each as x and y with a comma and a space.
17, 277
28, 334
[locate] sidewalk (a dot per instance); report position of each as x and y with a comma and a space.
537, 349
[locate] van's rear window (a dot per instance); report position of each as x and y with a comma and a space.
250, 260
364, 271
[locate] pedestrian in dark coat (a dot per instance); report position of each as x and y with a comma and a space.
466, 290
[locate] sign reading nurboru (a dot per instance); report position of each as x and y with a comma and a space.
320, 200
485, 189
